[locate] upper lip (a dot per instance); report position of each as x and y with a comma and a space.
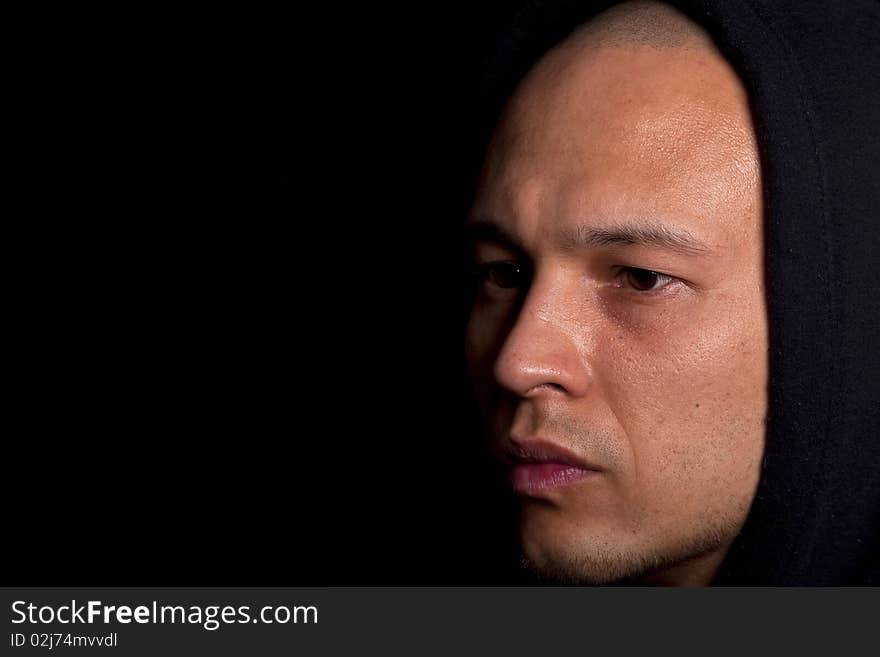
519, 451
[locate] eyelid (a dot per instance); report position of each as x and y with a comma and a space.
480, 266
489, 251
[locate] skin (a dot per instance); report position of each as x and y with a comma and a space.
665, 388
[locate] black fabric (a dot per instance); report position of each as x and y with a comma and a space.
812, 70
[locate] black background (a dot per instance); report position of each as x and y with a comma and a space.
239, 360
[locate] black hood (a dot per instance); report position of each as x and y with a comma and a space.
812, 70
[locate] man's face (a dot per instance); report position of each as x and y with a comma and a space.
618, 339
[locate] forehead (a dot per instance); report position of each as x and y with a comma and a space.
634, 131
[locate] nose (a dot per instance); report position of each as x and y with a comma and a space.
543, 353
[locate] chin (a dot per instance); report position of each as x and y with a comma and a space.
590, 568
557, 554
597, 555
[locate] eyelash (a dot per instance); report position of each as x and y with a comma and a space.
485, 271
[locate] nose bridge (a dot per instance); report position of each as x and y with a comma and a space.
542, 350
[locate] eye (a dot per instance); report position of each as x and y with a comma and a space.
644, 280
506, 275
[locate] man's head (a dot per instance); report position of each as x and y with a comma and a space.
618, 339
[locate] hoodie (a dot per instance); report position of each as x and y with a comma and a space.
812, 71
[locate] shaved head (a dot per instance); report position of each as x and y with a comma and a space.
643, 23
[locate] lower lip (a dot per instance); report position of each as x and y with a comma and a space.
534, 477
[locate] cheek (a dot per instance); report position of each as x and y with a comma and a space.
487, 327
690, 395
479, 345
484, 338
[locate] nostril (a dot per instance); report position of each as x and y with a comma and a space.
546, 387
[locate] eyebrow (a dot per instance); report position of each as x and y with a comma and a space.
655, 235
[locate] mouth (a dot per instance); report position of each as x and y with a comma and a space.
539, 466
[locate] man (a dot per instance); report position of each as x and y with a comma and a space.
645, 357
